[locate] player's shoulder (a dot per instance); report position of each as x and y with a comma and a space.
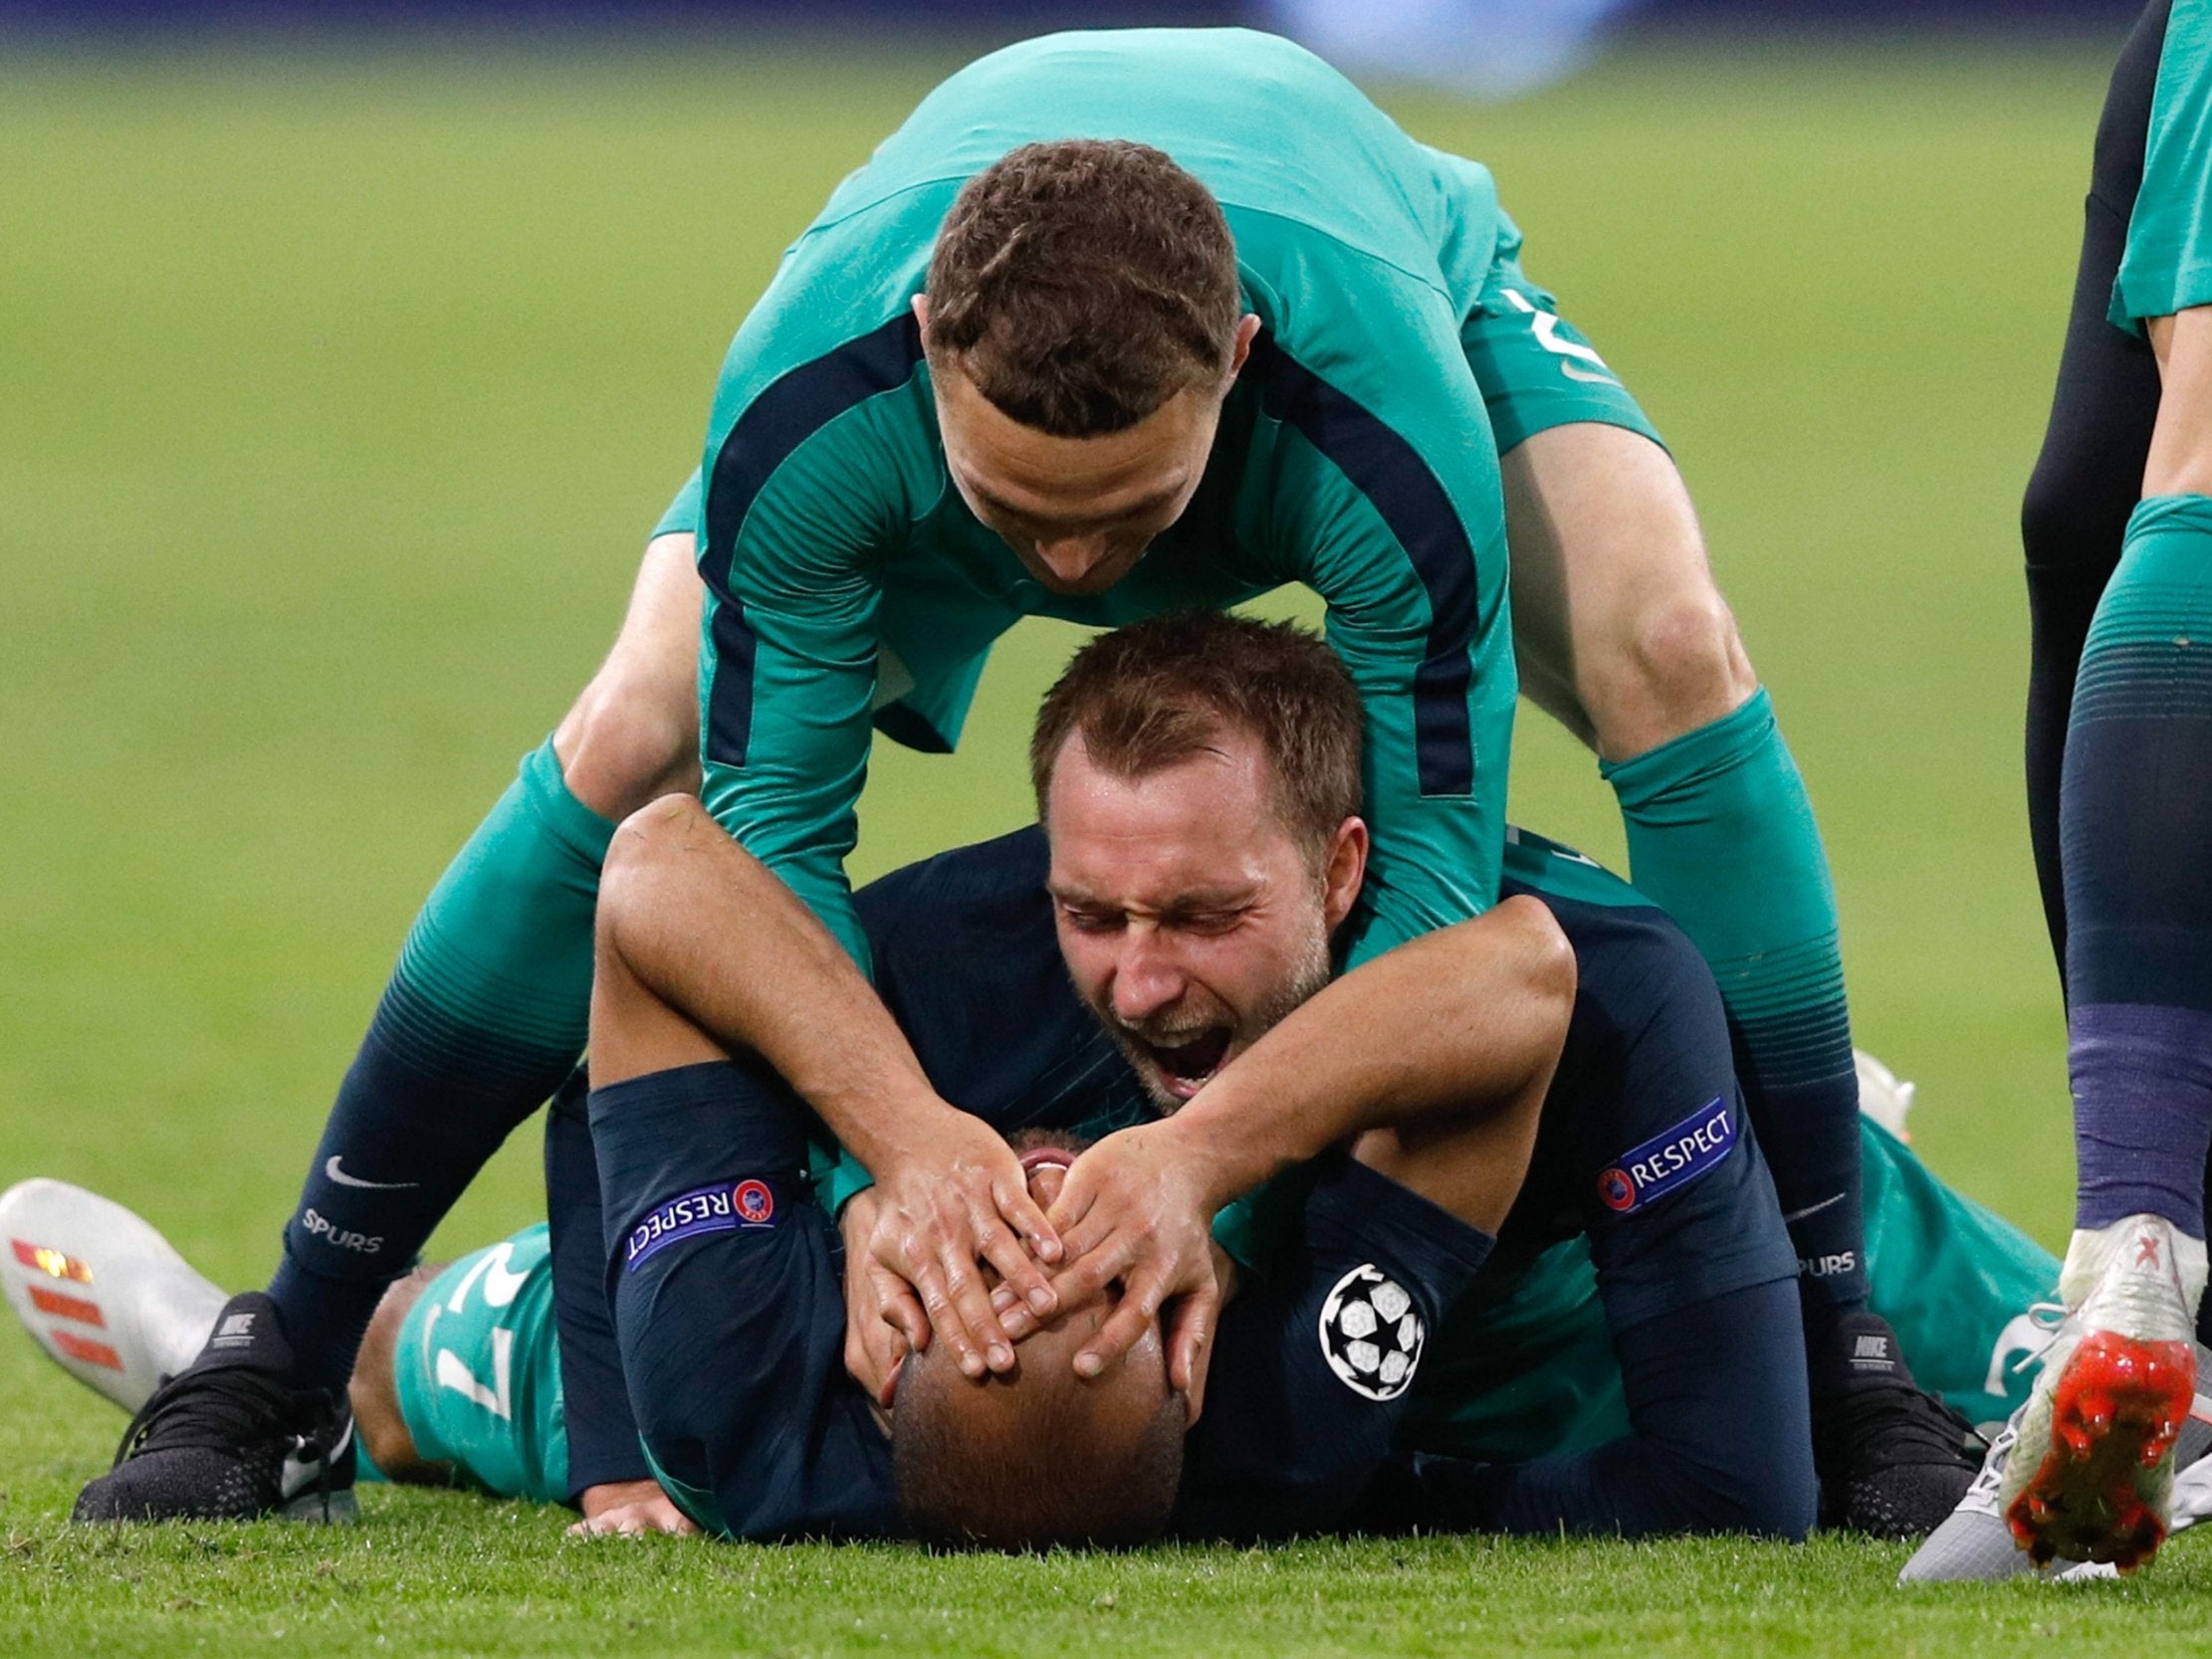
835, 325
1634, 960
828, 429
929, 911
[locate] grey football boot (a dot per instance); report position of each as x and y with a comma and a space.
1976, 1543
101, 1293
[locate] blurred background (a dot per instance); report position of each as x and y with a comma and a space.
348, 353
1488, 48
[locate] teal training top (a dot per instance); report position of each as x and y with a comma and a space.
2167, 267
849, 586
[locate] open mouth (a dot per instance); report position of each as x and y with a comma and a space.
1189, 1061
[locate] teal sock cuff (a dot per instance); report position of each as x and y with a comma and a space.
504, 942
1644, 781
581, 829
1721, 836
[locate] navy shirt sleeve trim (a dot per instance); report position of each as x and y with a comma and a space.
1384, 468
791, 410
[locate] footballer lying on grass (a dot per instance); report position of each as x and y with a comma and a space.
1115, 322
1197, 776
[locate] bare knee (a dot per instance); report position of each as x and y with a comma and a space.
634, 735
1679, 664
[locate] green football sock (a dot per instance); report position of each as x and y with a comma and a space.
1721, 836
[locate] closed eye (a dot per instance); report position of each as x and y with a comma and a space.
1090, 922
1206, 921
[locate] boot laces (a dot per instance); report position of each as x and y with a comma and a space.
221, 1410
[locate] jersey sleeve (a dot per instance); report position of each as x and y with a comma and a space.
1719, 1444
1389, 507
788, 663
2168, 265
682, 516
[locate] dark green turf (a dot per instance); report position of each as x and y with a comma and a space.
335, 403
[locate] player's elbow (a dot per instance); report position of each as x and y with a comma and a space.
645, 841
1545, 974
1547, 953
647, 848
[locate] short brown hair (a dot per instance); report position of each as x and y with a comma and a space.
1085, 282
1159, 691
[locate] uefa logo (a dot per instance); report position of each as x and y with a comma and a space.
756, 1203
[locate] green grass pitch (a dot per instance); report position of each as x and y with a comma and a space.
335, 402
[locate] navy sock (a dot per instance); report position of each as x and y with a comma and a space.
484, 1016
2135, 838
2142, 1145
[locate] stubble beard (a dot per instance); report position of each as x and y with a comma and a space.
1309, 974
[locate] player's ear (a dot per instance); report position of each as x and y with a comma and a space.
1247, 331
1346, 872
922, 314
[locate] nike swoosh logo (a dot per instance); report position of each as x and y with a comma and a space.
331, 1170
1813, 1209
292, 1479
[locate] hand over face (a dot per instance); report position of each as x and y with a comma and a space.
939, 1215
1134, 1209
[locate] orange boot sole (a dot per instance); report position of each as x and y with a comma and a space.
2115, 1416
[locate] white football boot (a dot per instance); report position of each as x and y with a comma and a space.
1975, 1543
2090, 1477
99, 1291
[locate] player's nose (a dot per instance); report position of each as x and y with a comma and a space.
1075, 560
1145, 980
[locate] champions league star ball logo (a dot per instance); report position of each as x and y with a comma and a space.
1371, 1334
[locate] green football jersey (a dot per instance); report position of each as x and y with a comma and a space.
2167, 266
478, 1372
849, 588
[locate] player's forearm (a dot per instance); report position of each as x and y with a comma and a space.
719, 939
1447, 1024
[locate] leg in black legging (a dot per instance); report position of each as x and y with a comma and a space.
2089, 475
